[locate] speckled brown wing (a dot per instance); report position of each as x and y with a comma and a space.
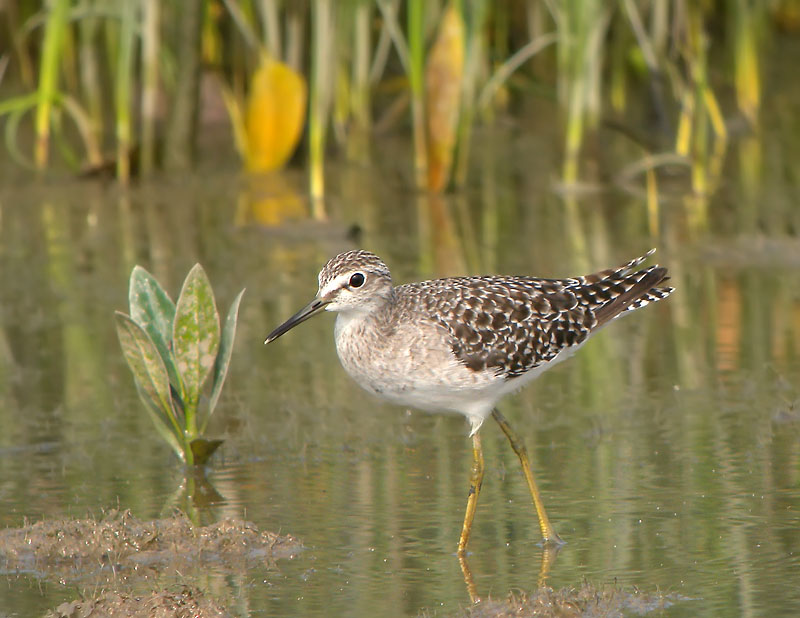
513, 324
506, 324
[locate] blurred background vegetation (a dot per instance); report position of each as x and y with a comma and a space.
120, 84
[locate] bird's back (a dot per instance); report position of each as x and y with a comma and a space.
511, 325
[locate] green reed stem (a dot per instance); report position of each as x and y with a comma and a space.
181, 133
295, 38
360, 68
242, 24
90, 84
151, 42
122, 89
271, 27
574, 132
85, 125
48, 77
321, 72
416, 78
384, 44
475, 59
581, 31
22, 54
68, 60
747, 18
659, 25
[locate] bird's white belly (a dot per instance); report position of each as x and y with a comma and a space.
413, 367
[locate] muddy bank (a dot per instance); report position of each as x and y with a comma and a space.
135, 564
586, 601
119, 547
186, 603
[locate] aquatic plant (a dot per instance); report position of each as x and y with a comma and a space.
349, 70
172, 349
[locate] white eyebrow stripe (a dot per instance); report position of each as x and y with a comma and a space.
335, 284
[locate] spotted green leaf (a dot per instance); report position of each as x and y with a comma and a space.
223, 360
153, 310
148, 369
195, 339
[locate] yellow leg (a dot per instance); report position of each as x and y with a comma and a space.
475, 482
548, 533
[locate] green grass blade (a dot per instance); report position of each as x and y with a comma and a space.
153, 310
195, 339
12, 127
147, 367
22, 102
242, 23
223, 360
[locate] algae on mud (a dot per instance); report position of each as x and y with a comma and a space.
586, 600
188, 602
121, 549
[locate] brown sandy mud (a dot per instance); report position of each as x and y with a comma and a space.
185, 603
120, 546
130, 566
586, 601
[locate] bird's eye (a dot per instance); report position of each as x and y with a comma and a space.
357, 280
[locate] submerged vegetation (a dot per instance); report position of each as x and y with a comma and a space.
172, 349
98, 72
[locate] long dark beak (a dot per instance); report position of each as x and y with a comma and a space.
311, 309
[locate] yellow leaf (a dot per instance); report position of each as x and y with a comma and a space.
443, 82
274, 115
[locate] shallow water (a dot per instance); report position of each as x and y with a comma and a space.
667, 450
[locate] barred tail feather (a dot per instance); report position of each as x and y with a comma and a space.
652, 296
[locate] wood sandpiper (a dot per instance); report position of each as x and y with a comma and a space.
460, 344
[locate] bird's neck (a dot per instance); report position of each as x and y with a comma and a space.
373, 314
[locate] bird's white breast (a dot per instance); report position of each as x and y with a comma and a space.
411, 364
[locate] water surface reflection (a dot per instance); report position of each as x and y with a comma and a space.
667, 450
